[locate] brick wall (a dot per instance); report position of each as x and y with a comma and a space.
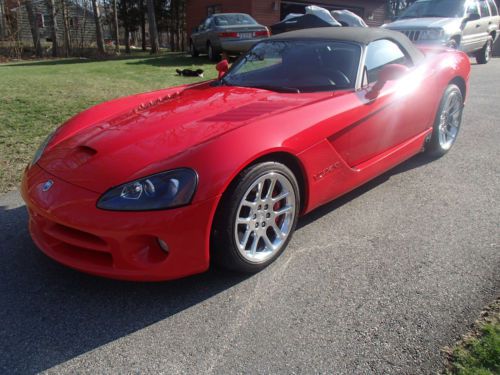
267, 12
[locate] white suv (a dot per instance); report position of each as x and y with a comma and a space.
470, 25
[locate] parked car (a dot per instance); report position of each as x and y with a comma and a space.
469, 25
155, 186
226, 32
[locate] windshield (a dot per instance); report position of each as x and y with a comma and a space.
297, 66
234, 19
435, 8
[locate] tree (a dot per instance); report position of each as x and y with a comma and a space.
98, 28
3, 23
153, 30
129, 14
34, 28
67, 38
115, 28
143, 24
53, 26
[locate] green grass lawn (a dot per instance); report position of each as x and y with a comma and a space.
478, 352
36, 97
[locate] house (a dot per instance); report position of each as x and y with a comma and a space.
79, 21
268, 12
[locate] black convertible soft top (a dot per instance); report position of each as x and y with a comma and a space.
361, 35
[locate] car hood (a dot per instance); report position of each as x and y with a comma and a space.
422, 23
116, 150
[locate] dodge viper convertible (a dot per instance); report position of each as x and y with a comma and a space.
157, 186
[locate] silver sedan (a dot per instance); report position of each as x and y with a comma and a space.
226, 32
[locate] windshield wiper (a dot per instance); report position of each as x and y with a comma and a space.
277, 88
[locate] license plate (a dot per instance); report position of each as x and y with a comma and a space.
246, 35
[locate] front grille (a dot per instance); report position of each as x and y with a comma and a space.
73, 243
413, 35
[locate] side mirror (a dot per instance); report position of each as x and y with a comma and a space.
473, 17
389, 72
222, 68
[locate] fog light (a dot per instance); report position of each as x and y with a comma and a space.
163, 245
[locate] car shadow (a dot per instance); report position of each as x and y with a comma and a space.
51, 314
413, 163
171, 60
165, 59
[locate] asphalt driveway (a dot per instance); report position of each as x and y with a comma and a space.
376, 282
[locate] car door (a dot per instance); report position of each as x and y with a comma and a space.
202, 36
483, 22
195, 37
398, 113
471, 36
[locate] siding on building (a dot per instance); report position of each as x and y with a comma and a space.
81, 23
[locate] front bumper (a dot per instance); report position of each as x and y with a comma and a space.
67, 226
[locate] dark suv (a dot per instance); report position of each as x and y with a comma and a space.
470, 25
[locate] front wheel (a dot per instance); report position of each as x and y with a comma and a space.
447, 122
256, 218
192, 49
484, 54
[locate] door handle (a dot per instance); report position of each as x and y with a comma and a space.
478, 26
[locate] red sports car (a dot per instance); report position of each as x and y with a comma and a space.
154, 186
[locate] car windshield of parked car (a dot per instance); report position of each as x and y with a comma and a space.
435, 8
234, 19
297, 66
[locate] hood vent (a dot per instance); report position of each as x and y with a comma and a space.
247, 112
79, 156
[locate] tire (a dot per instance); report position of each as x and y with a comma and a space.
447, 122
213, 55
256, 218
484, 54
192, 49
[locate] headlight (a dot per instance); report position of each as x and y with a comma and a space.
159, 191
41, 149
431, 34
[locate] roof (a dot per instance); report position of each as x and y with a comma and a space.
361, 35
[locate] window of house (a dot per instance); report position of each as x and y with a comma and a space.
74, 22
485, 11
40, 20
379, 54
212, 9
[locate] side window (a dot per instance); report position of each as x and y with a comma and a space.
207, 23
493, 8
485, 11
472, 8
379, 54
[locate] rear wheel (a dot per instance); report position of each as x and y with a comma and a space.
447, 122
484, 54
256, 218
213, 55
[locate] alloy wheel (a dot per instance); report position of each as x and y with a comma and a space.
264, 218
449, 121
